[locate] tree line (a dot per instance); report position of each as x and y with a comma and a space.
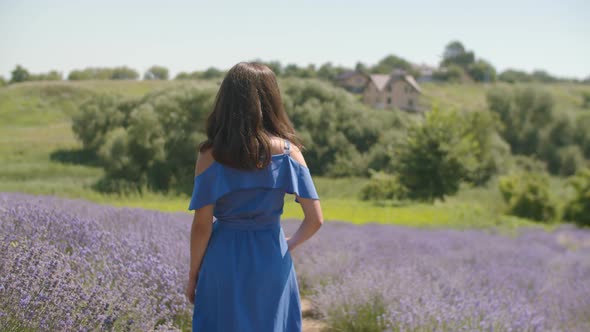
149, 143
457, 65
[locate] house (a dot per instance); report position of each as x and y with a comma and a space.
352, 80
425, 73
397, 90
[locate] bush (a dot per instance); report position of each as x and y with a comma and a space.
451, 73
337, 130
586, 99
523, 112
146, 143
514, 76
527, 196
578, 209
482, 71
445, 150
98, 116
383, 186
117, 73
156, 73
2, 81
19, 74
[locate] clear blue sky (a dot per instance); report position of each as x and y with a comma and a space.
190, 35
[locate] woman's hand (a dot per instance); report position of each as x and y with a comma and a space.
190, 289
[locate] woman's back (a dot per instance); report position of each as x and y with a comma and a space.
252, 197
247, 269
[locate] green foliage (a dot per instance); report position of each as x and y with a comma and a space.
292, 70
514, 76
523, 113
571, 159
328, 72
366, 317
2, 81
50, 76
444, 151
527, 196
156, 73
586, 99
383, 186
337, 130
19, 74
543, 77
117, 73
96, 118
532, 127
450, 73
149, 142
582, 134
455, 53
390, 63
578, 209
124, 73
209, 73
482, 71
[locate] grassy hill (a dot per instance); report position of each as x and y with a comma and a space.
39, 153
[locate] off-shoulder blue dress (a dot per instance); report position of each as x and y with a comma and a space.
247, 281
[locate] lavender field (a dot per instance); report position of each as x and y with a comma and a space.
68, 265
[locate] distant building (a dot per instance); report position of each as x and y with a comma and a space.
398, 90
425, 73
353, 81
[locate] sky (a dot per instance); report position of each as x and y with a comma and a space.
194, 35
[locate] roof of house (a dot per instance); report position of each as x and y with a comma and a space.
381, 80
411, 81
348, 74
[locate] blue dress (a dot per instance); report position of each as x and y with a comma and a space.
247, 281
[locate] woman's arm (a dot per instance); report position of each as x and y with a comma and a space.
312, 222
200, 235
200, 232
312, 211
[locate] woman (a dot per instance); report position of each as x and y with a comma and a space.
241, 274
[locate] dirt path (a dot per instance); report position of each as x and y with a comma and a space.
310, 321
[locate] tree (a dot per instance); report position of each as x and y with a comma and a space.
527, 196
543, 76
361, 67
156, 73
19, 74
124, 73
451, 73
482, 71
53, 75
438, 155
514, 76
390, 63
327, 71
455, 53
523, 112
578, 209
212, 72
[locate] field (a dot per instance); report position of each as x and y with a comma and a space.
82, 259
40, 155
455, 265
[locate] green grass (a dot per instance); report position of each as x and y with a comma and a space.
472, 97
35, 124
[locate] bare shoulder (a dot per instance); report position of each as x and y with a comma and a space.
297, 155
204, 160
277, 145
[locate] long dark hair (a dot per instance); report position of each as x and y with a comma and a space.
248, 111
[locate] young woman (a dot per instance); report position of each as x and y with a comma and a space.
241, 275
